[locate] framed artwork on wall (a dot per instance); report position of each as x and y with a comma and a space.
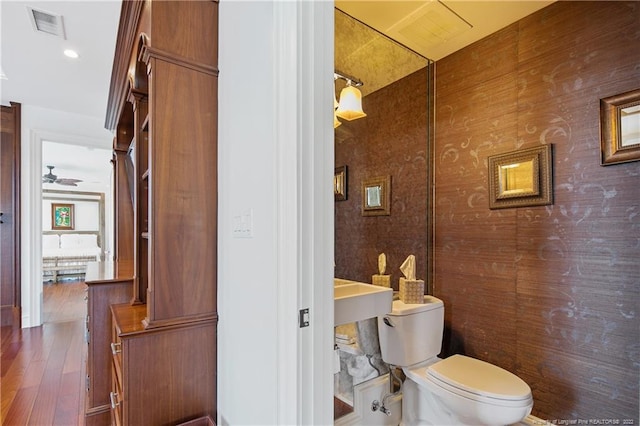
62, 216
620, 128
340, 183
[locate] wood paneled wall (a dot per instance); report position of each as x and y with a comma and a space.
391, 140
10, 279
550, 293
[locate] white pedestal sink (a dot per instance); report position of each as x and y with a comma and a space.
355, 301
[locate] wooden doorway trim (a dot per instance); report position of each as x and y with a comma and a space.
10, 288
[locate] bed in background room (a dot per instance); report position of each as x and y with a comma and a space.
66, 254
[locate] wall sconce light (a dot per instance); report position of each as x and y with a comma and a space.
350, 105
336, 122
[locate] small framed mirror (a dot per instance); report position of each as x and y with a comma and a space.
620, 128
521, 178
376, 196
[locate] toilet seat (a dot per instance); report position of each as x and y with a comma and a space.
474, 379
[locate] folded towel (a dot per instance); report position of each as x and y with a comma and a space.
345, 339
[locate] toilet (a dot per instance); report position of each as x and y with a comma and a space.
458, 390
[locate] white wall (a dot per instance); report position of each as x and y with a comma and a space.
40, 124
275, 173
247, 290
86, 214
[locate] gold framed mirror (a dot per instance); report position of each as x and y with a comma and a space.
620, 128
521, 178
376, 196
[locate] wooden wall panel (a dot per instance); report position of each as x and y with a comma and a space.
552, 292
391, 140
10, 148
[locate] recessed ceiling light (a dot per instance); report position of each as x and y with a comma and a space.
71, 53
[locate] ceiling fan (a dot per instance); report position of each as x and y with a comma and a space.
51, 178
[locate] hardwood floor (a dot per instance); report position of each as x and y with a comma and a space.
340, 408
42, 368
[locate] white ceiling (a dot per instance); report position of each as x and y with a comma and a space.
90, 165
37, 71
38, 74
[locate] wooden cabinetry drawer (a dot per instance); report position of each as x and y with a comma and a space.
116, 398
116, 353
107, 283
158, 359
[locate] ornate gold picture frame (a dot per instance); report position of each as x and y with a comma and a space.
620, 128
521, 178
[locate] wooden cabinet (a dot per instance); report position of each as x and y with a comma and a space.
107, 283
163, 111
123, 202
10, 125
167, 369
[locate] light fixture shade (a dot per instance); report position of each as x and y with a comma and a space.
350, 106
336, 122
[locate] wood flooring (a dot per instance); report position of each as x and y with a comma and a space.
340, 408
42, 368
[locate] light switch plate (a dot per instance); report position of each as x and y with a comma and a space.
243, 224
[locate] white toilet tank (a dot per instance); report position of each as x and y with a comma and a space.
411, 333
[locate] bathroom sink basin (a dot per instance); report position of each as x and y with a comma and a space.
354, 301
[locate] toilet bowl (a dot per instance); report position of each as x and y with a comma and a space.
463, 390
458, 390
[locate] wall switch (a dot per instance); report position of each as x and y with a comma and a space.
243, 224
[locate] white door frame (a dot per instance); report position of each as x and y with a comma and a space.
304, 89
303, 34
31, 207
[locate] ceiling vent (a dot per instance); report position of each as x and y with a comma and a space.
428, 26
47, 22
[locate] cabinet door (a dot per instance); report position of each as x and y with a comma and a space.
165, 376
9, 219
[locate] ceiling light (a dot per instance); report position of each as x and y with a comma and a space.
71, 53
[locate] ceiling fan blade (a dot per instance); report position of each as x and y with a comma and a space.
67, 181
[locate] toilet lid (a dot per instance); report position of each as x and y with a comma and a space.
479, 377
